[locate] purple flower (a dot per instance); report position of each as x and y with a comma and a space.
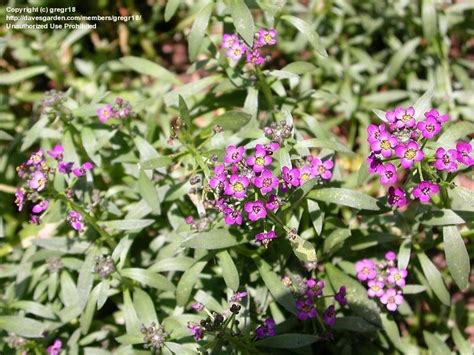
265, 238
198, 307
265, 37
323, 169
388, 174
397, 197
375, 288
55, 349
37, 181
81, 171
392, 299
267, 329
65, 167
34, 219
329, 316
259, 160
397, 276
384, 144
105, 113
196, 331
189, 219
19, 198
35, 158
305, 309
436, 115
217, 181
272, 204
464, 153
341, 296
306, 173
314, 288
429, 127
424, 190
365, 270
390, 255
446, 159
56, 152
236, 186
266, 182
373, 163
75, 220
238, 296
409, 154
291, 176
228, 41
233, 154
269, 148
255, 57
374, 132
40, 207
232, 216
236, 51
404, 117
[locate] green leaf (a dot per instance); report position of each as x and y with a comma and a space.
423, 103
391, 329
214, 239
467, 195
434, 278
148, 278
400, 57
198, 30
354, 324
86, 277
88, 314
155, 163
435, 344
463, 345
316, 215
229, 270
303, 249
385, 97
413, 289
323, 143
132, 323
184, 112
380, 114
345, 197
22, 326
4, 136
127, 224
145, 149
176, 263
20, 75
457, 256
148, 192
147, 67
34, 133
144, 307
442, 217
187, 282
404, 254
34, 308
243, 20
279, 292
454, 132
299, 68
335, 240
288, 341
308, 31
428, 18
170, 9
232, 120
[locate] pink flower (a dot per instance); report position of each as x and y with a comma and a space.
19, 198
373, 163
446, 159
233, 154
464, 150
35, 158
196, 331
40, 207
75, 219
236, 51
375, 288
374, 132
341, 296
255, 57
232, 216
65, 167
105, 113
55, 349
37, 181
385, 144
390, 255
236, 186
228, 41
259, 160
265, 37
329, 316
405, 117
436, 115
56, 152
81, 171
306, 309
256, 210
397, 197
323, 169
409, 154
429, 127
291, 176
266, 182
314, 288
397, 276
424, 190
269, 148
267, 329
272, 204
189, 219
265, 238
388, 174
392, 299
198, 307
306, 173
365, 270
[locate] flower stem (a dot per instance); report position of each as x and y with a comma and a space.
265, 88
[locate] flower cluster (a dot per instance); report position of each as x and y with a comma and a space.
236, 48
267, 329
402, 138
120, 110
154, 336
36, 173
384, 280
55, 349
278, 131
247, 187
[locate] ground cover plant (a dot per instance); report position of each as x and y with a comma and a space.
239, 177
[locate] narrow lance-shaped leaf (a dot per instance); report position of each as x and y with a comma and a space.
345, 197
147, 67
198, 30
434, 278
308, 31
243, 20
148, 191
457, 256
229, 270
20, 75
187, 282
